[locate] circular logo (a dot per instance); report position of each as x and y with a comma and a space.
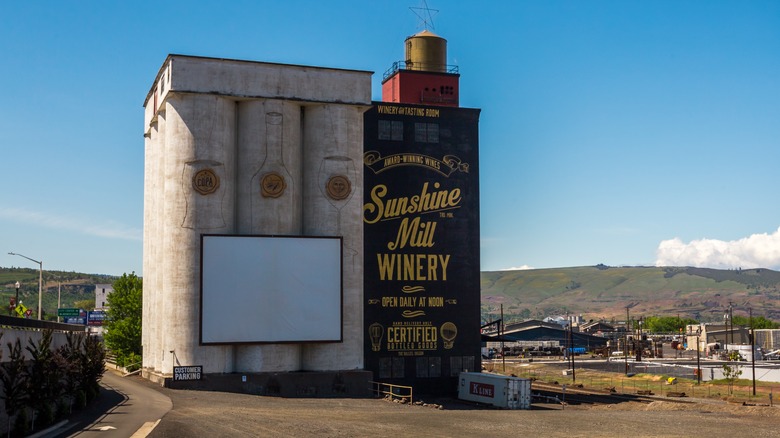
205, 181
449, 332
338, 187
272, 185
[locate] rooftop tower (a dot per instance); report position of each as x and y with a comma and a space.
423, 77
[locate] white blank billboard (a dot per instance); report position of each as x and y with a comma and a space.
270, 289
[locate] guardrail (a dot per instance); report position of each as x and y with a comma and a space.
394, 391
34, 324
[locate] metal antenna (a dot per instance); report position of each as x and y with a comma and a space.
425, 14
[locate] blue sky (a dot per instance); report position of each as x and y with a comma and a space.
616, 132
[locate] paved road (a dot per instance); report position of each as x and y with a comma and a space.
131, 403
125, 408
219, 414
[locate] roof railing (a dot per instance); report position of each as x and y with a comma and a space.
419, 66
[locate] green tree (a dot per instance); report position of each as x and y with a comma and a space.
123, 328
666, 324
759, 322
85, 304
731, 370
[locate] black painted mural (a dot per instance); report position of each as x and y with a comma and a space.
421, 222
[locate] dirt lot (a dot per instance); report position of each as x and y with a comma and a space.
216, 414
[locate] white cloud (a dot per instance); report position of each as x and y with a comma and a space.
57, 221
519, 268
755, 251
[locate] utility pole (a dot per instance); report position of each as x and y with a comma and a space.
571, 337
753, 350
731, 323
59, 299
625, 342
501, 337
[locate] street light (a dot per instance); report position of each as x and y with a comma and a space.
16, 300
40, 279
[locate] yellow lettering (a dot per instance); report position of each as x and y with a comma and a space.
416, 233
420, 267
445, 260
412, 267
381, 208
435, 301
432, 265
386, 262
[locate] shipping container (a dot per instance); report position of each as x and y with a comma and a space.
495, 389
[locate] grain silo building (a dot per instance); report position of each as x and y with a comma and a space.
255, 152
300, 239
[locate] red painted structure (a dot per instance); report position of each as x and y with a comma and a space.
423, 78
422, 87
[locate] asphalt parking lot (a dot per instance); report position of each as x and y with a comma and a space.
218, 414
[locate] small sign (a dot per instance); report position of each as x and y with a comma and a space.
75, 320
21, 309
66, 312
96, 317
482, 389
187, 373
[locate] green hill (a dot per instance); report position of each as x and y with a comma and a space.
74, 287
605, 292
593, 291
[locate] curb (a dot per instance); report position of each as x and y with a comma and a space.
50, 429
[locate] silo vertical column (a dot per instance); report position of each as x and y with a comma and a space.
153, 238
155, 277
269, 200
199, 198
333, 193
151, 146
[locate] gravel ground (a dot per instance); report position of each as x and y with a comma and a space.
217, 414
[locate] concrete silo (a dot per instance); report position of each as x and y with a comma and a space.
247, 149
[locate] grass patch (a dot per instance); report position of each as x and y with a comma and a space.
551, 373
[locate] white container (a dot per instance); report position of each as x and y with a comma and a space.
494, 389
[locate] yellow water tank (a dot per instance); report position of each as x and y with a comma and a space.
426, 51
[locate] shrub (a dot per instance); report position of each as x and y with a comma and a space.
22, 424
13, 375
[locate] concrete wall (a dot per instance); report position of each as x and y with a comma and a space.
58, 339
242, 121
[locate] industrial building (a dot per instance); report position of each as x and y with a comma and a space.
247, 148
421, 224
243, 156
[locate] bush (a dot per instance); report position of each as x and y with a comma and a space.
22, 423
45, 415
131, 362
81, 399
63, 408
50, 381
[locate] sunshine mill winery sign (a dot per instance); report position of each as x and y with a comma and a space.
421, 222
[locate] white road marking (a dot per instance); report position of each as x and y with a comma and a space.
105, 428
145, 430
